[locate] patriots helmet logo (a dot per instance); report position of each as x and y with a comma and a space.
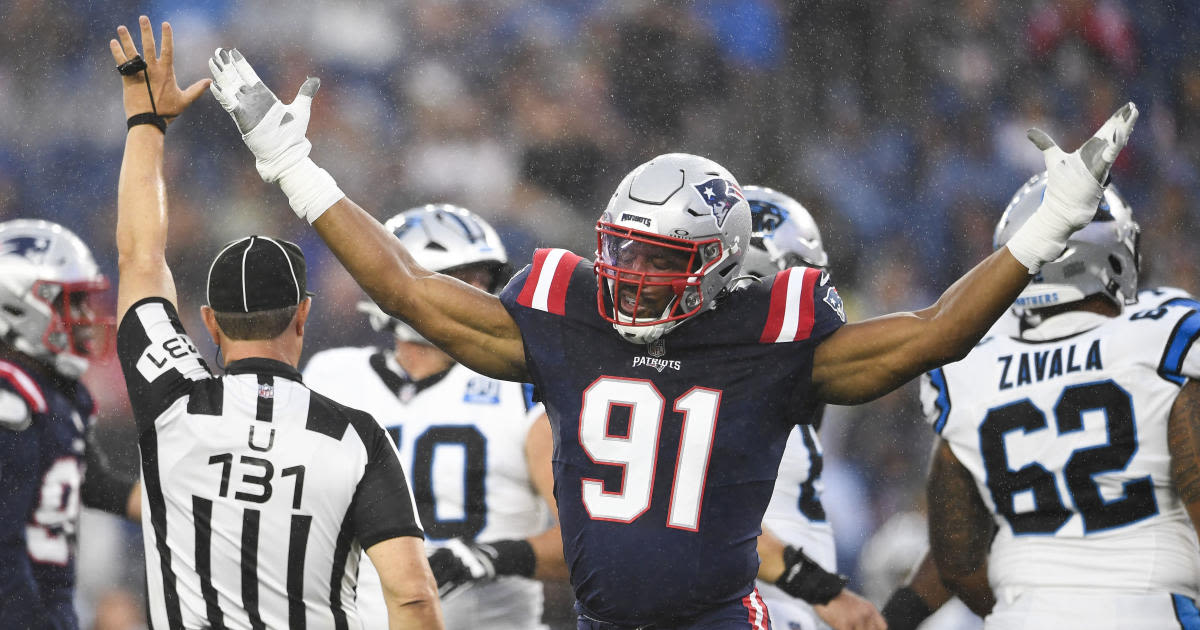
32, 247
721, 196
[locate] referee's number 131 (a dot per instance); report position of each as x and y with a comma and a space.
256, 478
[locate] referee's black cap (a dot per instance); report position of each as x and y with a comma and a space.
257, 273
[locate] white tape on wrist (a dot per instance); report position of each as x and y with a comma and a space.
310, 189
1042, 239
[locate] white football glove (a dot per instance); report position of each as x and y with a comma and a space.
1074, 187
274, 132
458, 564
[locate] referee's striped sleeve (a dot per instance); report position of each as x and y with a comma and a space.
383, 506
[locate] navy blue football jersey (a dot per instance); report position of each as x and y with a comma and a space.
42, 462
666, 454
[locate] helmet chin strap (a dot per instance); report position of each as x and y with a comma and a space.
640, 334
70, 365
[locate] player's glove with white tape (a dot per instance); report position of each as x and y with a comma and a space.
274, 132
459, 563
804, 578
1074, 187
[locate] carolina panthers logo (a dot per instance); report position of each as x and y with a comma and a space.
31, 247
721, 196
766, 217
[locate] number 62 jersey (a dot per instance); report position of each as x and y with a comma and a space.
1065, 431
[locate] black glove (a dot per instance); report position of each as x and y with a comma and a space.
804, 578
905, 610
459, 563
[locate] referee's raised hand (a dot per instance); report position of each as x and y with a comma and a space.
150, 86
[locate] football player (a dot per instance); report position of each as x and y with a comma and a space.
797, 574
477, 450
668, 430
49, 466
1065, 472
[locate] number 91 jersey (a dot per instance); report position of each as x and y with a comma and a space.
1065, 431
665, 454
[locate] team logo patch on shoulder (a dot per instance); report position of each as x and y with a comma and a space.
835, 302
721, 196
482, 391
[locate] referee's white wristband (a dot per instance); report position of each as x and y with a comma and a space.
310, 189
1042, 239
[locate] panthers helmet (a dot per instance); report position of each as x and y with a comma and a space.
782, 234
48, 278
680, 207
1102, 257
442, 238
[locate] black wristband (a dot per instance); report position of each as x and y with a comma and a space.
511, 557
804, 578
147, 118
905, 610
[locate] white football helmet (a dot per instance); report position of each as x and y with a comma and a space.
47, 280
442, 238
674, 232
783, 234
1101, 258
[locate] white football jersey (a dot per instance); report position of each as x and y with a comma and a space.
1065, 431
795, 516
461, 437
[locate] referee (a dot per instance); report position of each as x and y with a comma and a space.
258, 492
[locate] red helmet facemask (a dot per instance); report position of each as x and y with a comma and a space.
76, 328
646, 275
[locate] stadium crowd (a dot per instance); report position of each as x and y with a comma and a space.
900, 125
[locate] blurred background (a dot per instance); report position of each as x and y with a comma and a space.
899, 124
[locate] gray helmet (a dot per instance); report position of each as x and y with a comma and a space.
442, 238
1101, 258
680, 203
783, 234
47, 278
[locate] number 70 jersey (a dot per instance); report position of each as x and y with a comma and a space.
1066, 438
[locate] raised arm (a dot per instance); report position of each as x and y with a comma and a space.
1183, 442
864, 360
960, 531
152, 97
469, 324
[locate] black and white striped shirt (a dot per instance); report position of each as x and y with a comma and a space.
258, 493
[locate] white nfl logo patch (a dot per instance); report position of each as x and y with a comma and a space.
657, 348
266, 391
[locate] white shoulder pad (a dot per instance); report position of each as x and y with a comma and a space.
15, 414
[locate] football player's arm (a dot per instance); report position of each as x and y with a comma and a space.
912, 603
844, 610
141, 189
409, 590
104, 489
469, 324
461, 562
1183, 442
960, 530
547, 546
865, 360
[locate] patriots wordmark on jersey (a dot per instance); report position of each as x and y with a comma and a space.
461, 437
663, 469
258, 492
1064, 430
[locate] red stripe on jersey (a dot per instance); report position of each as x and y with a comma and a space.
756, 610
805, 324
546, 285
26, 386
790, 319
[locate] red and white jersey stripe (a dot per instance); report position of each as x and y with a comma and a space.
790, 317
28, 389
546, 286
